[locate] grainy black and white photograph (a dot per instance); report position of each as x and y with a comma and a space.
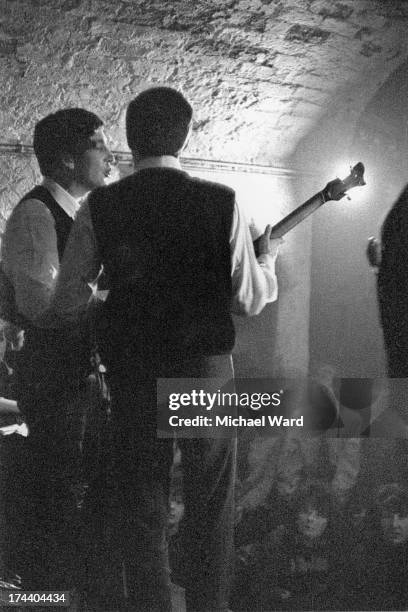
203, 305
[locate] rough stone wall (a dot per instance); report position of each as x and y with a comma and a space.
259, 72
18, 174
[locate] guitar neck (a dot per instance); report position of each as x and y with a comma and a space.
296, 216
299, 214
334, 190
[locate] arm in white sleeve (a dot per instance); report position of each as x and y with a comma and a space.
254, 282
30, 256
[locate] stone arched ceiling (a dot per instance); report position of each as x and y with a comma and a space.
260, 73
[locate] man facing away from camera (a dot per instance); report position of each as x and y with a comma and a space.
71, 149
179, 259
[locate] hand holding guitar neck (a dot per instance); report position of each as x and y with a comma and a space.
334, 190
268, 245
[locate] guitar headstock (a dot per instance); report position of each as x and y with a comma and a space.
335, 190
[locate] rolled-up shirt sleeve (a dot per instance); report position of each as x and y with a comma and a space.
79, 268
254, 282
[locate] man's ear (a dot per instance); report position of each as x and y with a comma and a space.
67, 161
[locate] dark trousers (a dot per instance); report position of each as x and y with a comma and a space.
46, 547
47, 470
142, 465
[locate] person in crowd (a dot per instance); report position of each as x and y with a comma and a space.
287, 460
291, 567
373, 556
72, 152
389, 566
179, 258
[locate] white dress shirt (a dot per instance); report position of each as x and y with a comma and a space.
29, 250
253, 280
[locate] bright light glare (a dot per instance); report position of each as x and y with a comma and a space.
358, 195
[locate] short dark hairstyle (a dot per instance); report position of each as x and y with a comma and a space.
157, 122
66, 131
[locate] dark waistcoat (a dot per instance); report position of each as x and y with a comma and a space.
63, 222
164, 238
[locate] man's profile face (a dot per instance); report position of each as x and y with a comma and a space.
395, 527
93, 167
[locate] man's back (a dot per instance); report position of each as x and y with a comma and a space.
164, 241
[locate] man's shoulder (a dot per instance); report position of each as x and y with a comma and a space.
399, 209
213, 187
38, 197
109, 192
29, 205
130, 183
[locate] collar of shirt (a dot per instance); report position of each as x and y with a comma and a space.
164, 161
69, 204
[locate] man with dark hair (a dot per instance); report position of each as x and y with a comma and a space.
72, 152
157, 122
73, 156
388, 551
180, 258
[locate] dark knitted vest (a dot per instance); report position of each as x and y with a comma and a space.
163, 238
63, 222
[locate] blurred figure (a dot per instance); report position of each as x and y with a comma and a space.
392, 507
331, 451
388, 570
375, 561
392, 285
291, 567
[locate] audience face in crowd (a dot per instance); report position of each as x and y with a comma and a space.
356, 512
312, 516
175, 514
394, 525
392, 506
286, 488
311, 522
